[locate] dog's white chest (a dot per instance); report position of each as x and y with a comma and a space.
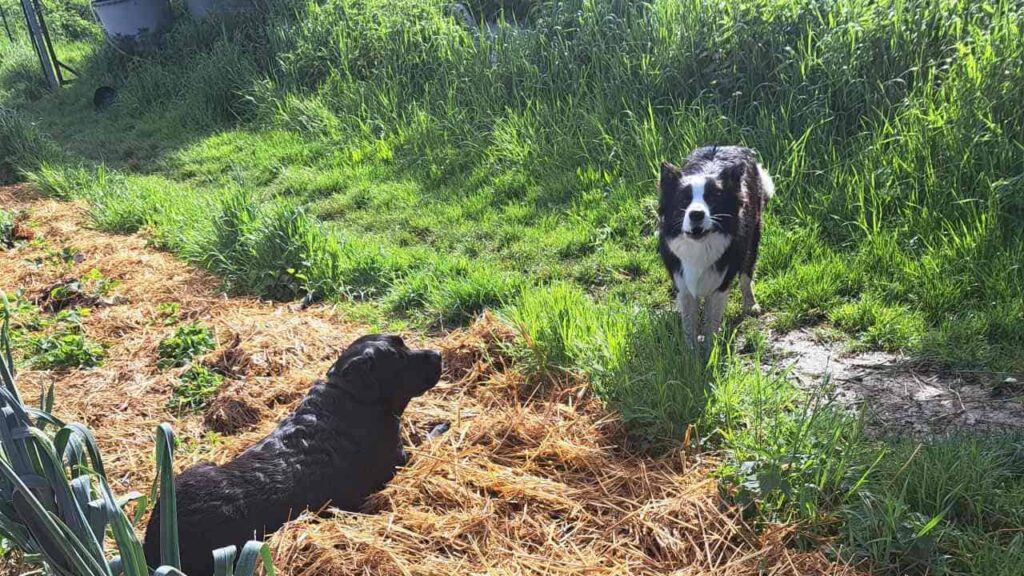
698, 257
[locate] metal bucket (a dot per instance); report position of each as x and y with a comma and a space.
132, 20
202, 8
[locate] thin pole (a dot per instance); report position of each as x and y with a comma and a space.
49, 43
35, 30
3, 15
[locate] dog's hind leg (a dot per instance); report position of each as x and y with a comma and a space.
750, 306
714, 309
689, 312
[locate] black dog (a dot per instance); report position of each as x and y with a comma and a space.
341, 445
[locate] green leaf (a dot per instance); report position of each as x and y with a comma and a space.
72, 515
223, 561
132, 557
254, 552
169, 548
57, 546
6, 358
931, 524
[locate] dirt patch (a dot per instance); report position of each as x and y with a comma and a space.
534, 483
899, 398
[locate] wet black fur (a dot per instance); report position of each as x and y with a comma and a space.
339, 446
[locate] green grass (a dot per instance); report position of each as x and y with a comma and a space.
380, 155
542, 169
952, 505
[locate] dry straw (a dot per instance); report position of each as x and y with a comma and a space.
529, 479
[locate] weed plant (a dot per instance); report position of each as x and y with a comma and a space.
187, 342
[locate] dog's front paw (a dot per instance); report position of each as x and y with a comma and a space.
754, 310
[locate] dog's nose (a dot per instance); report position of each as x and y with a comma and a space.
697, 216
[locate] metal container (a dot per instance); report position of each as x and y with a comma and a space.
130, 20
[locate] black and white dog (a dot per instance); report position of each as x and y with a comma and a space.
710, 212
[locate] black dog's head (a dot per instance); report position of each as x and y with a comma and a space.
382, 370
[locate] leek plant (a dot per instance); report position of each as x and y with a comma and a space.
57, 507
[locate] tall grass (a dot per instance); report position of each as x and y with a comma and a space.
892, 129
635, 359
385, 154
22, 146
895, 140
942, 506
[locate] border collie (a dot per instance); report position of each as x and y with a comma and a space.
710, 213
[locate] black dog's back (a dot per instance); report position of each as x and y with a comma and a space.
295, 468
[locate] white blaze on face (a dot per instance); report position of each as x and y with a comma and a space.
698, 214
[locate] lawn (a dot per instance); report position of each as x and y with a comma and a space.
387, 157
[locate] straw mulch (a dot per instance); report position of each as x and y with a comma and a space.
529, 479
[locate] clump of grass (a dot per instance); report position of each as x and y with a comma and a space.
20, 78
789, 457
195, 388
945, 504
895, 537
22, 146
276, 250
636, 359
458, 299
879, 326
187, 342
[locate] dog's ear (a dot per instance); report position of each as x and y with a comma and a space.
353, 375
668, 182
670, 175
732, 175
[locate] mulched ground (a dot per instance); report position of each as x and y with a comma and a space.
531, 478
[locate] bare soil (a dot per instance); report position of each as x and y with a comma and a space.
898, 397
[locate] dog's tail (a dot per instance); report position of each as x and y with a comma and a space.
767, 185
